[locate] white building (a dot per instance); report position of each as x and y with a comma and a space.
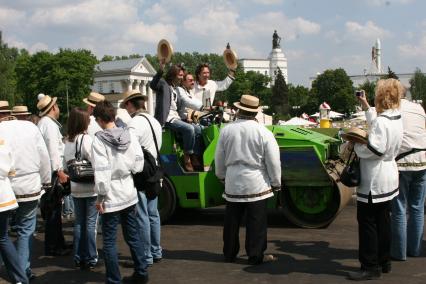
269, 66
112, 78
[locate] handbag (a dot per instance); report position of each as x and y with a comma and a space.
79, 169
351, 174
150, 179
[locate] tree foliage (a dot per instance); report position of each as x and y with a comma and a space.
298, 99
369, 88
336, 88
390, 75
279, 100
418, 86
7, 73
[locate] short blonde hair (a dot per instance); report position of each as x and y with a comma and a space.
388, 94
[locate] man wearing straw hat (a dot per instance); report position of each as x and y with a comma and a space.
248, 162
32, 167
91, 101
21, 112
5, 111
149, 217
51, 130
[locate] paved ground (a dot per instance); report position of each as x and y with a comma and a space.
192, 254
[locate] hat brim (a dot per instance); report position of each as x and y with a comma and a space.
86, 101
230, 58
164, 51
5, 110
21, 113
353, 137
238, 105
51, 104
138, 95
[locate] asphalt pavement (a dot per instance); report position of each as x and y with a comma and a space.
192, 248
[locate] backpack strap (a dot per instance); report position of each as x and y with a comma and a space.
155, 138
412, 151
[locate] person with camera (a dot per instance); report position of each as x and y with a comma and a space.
116, 154
379, 178
248, 162
50, 129
144, 126
32, 166
8, 203
78, 145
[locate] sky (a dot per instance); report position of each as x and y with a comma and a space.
316, 34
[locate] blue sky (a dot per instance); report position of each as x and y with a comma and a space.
316, 35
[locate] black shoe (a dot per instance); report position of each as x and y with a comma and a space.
136, 279
59, 252
387, 268
364, 275
157, 260
31, 276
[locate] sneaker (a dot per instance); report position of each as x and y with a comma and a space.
363, 274
387, 268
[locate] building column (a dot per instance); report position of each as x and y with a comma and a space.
151, 109
142, 87
130, 84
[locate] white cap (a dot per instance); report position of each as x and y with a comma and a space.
40, 96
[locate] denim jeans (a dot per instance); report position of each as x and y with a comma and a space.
407, 235
191, 135
8, 252
86, 217
25, 220
131, 232
68, 206
150, 226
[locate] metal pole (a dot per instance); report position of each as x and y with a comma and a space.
68, 108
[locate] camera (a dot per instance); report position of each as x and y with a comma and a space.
359, 93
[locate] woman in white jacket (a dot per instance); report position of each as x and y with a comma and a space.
84, 196
379, 179
8, 203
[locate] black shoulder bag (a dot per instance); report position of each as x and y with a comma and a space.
150, 179
351, 174
79, 169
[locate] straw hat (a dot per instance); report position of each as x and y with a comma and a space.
45, 104
355, 134
20, 110
164, 50
131, 95
248, 103
230, 58
4, 106
93, 99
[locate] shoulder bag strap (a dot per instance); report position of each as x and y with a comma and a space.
412, 151
155, 139
78, 149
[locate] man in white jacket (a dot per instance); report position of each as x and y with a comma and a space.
33, 169
149, 217
116, 154
50, 128
247, 159
91, 102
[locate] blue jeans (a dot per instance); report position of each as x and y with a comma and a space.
191, 135
25, 220
86, 217
407, 236
8, 252
131, 232
68, 206
150, 226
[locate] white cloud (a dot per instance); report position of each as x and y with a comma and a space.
368, 31
295, 55
388, 2
267, 2
417, 51
11, 17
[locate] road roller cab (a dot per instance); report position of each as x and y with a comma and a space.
311, 195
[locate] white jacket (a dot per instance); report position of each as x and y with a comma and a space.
93, 127
79, 189
208, 91
185, 100
113, 180
32, 162
7, 198
50, 129
379, 172
413, 119
248, 159
142, 131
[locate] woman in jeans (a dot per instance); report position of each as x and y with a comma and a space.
379, 179
84, 196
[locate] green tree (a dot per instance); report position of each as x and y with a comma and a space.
8, 58
390, 75
369, 88
418, 86
279, 99
298, 97
334, 87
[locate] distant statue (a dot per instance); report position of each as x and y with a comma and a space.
275, 40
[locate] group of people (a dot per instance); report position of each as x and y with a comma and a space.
393, 181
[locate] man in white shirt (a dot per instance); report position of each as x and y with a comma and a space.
205, 89
149, 217
33, 169
91, 102
50, 129
247, 160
